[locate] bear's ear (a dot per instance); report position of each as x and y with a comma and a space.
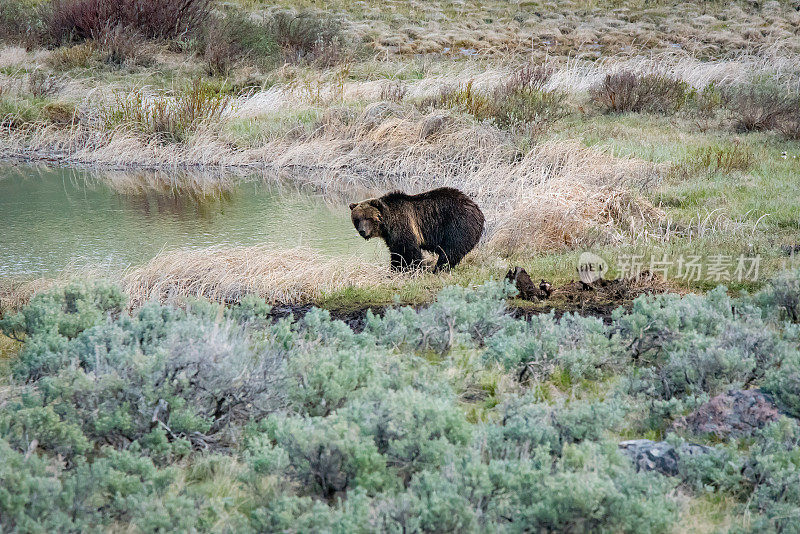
353, 205
379, 204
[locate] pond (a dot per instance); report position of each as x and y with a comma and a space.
52, 219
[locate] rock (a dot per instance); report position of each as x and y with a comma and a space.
736, 413
649, 455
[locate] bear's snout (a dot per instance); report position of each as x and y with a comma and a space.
363, 229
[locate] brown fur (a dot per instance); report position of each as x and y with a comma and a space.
443, 221
527, 289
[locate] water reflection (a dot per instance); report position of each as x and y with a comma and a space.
51, 218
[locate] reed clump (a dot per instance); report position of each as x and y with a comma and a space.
523, 101
557, 195
172, 119
226, 274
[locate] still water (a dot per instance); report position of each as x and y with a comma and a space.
52, 219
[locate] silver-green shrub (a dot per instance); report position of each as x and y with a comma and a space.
411, 429
582, 346
454, 417
459, 315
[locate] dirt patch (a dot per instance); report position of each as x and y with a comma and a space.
597, 300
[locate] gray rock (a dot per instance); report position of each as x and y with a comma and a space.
649, 455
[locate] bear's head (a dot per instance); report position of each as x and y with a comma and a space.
367, 217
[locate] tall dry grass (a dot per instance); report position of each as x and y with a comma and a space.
547, 198
14, 294
226, 274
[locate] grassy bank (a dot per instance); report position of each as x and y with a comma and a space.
663, 153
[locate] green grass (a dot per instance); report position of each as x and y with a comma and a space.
251, 132
8, 351
556, 268
710, 512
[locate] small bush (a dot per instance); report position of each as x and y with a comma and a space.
307, 35
772, 468
188, 376
761, 106
578, 345
784, 384
520, 102
304, 514
722, 158
591, 489
124, 486
31, 494
411, 429
458, 316
325, 456
718, 469
79, 56
237, 37
65, 311
119, 46
321, 380
706, 102
781, 298
526, 425
171, 119
153, 19
26, 426
37, 496
626, 91
693, 345
22, 22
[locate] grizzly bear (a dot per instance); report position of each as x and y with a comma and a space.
443, 221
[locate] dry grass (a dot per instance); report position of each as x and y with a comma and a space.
552, 197
14, 294
287, 276
588, 28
